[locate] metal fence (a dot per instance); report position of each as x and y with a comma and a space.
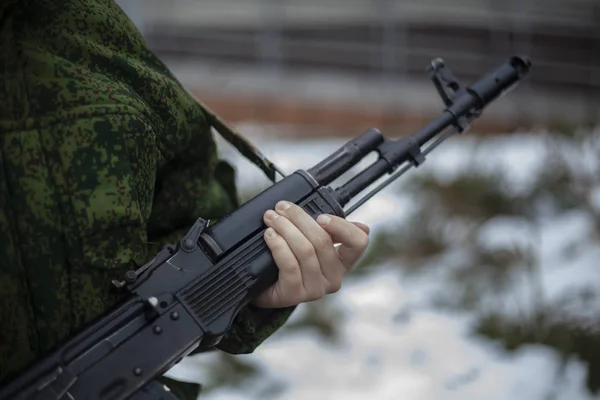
386, 38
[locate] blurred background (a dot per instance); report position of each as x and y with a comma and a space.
482, 280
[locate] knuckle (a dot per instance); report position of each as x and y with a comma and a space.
277, 243
278, 223
296, 287
294, 291
292, 268
300, 294
335, 285
321, 289
362, 240
322, 242
291, 211
307, 250
303, 298
295, 209
315, 293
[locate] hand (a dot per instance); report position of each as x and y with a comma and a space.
310, 266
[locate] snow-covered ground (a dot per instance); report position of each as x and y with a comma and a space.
433, 356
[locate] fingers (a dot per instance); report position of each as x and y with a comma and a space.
310, 266
316, 242
289, 270
330, 266
305, 256
353, 237
363, 227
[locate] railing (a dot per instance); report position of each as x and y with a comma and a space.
387, 38
563, 63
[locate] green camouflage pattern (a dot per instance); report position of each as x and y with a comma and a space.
104, 158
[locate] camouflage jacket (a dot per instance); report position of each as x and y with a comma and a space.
104, 158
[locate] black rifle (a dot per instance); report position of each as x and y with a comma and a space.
190, 293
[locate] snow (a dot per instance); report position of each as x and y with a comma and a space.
433, 356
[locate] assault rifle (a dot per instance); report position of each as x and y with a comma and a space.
189, 294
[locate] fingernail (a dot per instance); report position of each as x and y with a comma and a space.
271, 215
283, 205
323, 219
270, 232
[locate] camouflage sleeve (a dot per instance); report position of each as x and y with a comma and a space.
102, 151
251, 327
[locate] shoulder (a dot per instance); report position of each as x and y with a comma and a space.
78, 59
61, 60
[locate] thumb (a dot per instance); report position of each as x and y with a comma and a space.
362, 227
352, 238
